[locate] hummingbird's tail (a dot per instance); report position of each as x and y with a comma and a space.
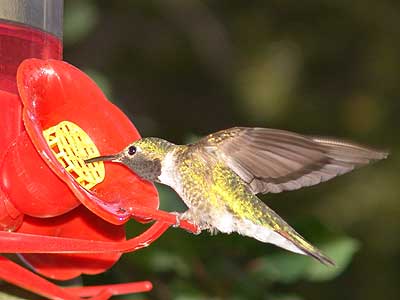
283, 236
298, 241
265, 225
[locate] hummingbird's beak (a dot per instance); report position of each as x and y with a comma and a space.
114, 157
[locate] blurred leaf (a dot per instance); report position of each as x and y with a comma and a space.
136, 296
285, 297
282, 267
166, 262
288, 268
341, 250
80, 17
182, 289
266, 83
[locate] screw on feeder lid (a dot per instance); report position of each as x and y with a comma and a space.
46, 15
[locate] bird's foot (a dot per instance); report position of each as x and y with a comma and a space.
187, 217
177, 218
212, 230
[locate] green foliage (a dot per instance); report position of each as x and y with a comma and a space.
287, 269
236, 267
169, 262
285, 297
80, 18
341, 250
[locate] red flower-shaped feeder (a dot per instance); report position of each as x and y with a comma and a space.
43, 176
63, 100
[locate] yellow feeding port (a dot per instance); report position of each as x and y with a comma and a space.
71, 146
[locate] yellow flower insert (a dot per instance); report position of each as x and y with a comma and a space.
71, 145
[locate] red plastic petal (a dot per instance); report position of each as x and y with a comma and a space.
31, 185
81, 224
10, 128
10, 217
54, 91
19, 276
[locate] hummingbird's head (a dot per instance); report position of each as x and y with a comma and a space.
144, 157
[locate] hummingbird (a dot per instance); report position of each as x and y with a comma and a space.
219, 176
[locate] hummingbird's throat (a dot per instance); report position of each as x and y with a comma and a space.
71, 146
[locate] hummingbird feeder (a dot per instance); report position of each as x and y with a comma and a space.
64, 217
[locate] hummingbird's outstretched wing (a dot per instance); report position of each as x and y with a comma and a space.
272, 161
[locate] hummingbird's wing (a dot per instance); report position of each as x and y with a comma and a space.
272, 161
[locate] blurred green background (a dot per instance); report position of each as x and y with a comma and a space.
182, 69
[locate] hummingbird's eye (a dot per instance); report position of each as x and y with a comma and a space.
131, 150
